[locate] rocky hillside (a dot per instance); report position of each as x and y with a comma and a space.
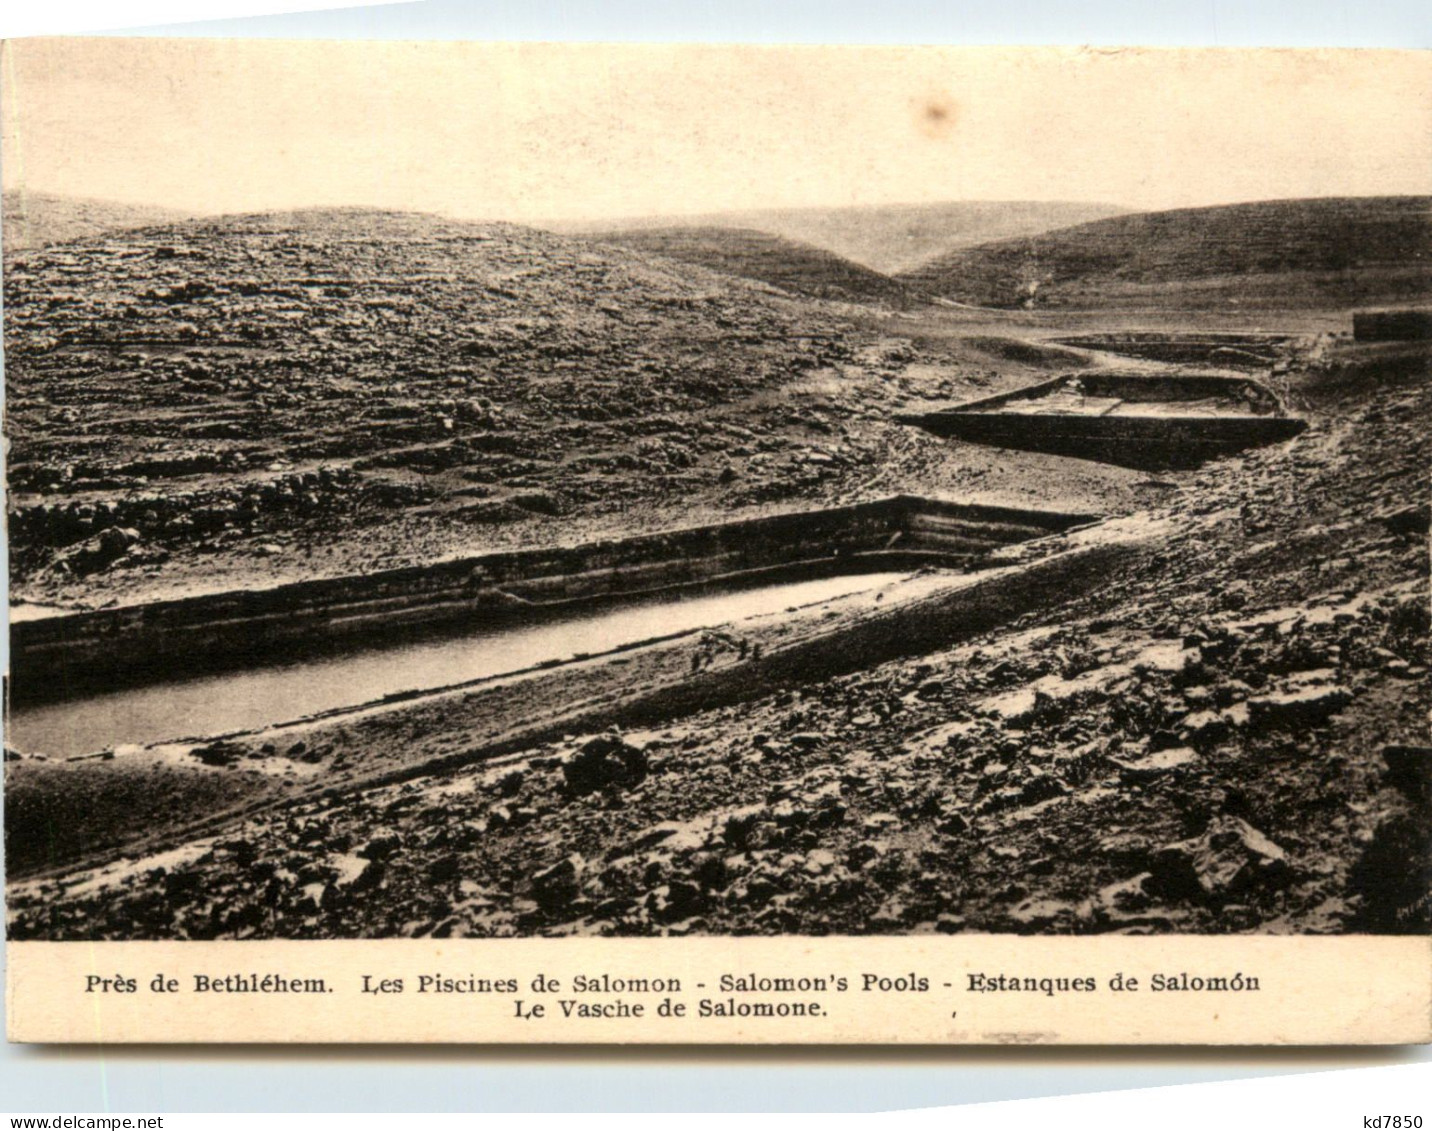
1227, 736
250, 399
183, 382
884, 237
34, 219
795, 267
1324, 252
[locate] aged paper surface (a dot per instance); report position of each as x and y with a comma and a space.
553, 543
916, 990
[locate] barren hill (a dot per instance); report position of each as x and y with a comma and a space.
886, 238
343, 363
1318, 252
34, 219
249, 399
788, 264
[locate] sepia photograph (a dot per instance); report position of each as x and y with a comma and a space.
475, 491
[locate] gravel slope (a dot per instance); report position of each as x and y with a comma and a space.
1229, 735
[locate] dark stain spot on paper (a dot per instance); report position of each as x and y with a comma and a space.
936, 115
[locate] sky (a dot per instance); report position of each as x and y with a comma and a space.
526, 132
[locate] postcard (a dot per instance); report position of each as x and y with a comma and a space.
717, 544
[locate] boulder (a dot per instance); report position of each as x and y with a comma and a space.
1411, 522
650, 837
381, 846
739, 830
1156, 765
1044, 916
1409, 769
370, 877
1041, 787
712, 872
1230, 859
1205, 728
819, 862
605, 762
676, 901
1299, 707
1392, 877
116, 540
444, 868
219, 753
558, 885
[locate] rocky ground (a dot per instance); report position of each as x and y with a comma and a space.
246, 400
1229, 735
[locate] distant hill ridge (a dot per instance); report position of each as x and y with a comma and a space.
36, 219
1348, 248
787, 264
886, 238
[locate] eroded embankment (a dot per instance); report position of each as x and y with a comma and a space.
1242, 351
59, 814
217, 703
61, 655
1224, 734
1174, 421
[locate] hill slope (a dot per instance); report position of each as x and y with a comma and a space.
34, 219
189, 381
1333, 251
266, 397
1221, 734
885, 238
254, 399
792, 266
